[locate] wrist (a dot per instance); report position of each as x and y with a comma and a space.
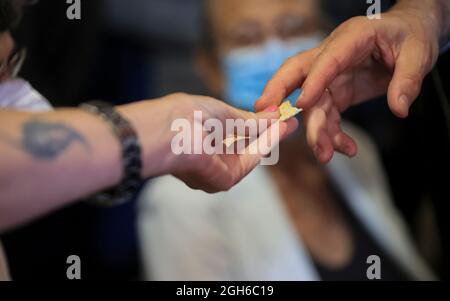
432, 15
441, 12
131, 161
149, 119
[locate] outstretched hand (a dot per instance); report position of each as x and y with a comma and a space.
360, 60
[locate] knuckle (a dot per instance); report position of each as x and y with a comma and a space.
208, 98
178, 95
277, 86
228, 183
358, 20
414, 82
351, 23
291, 60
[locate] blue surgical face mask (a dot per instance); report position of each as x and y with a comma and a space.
247, 70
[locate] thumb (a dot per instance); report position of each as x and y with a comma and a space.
410, 70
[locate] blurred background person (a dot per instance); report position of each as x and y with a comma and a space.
122, 51
293, 221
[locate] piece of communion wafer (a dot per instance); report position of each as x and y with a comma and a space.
287, 111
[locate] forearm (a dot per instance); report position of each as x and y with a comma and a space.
437, 11
49, 160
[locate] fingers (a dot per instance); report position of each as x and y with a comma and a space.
342, 143
270, 112
222, 178
316, 69
289, 77
211, 175
317, 135
410, 70
269, 116
324, 133
214, 173
292, 126
248, 159
265, 143
341, 52
228, 170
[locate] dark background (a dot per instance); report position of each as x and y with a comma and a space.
123, 51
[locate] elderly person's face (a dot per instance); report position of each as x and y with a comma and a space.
240, 23
252, 38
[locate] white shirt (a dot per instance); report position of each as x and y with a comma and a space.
246, 234
18, 94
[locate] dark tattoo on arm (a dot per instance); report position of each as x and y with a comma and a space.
48, 140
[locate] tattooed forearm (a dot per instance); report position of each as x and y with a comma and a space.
48, 140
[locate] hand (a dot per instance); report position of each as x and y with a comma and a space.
360, 60
211, 173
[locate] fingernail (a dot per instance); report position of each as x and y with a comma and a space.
349, 151
404, 100
271, 109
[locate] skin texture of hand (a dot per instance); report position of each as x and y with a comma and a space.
360, 60
211, 173
51, 159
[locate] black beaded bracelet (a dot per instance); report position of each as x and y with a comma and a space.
131, 155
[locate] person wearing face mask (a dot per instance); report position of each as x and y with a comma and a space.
247, 69
293, 221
